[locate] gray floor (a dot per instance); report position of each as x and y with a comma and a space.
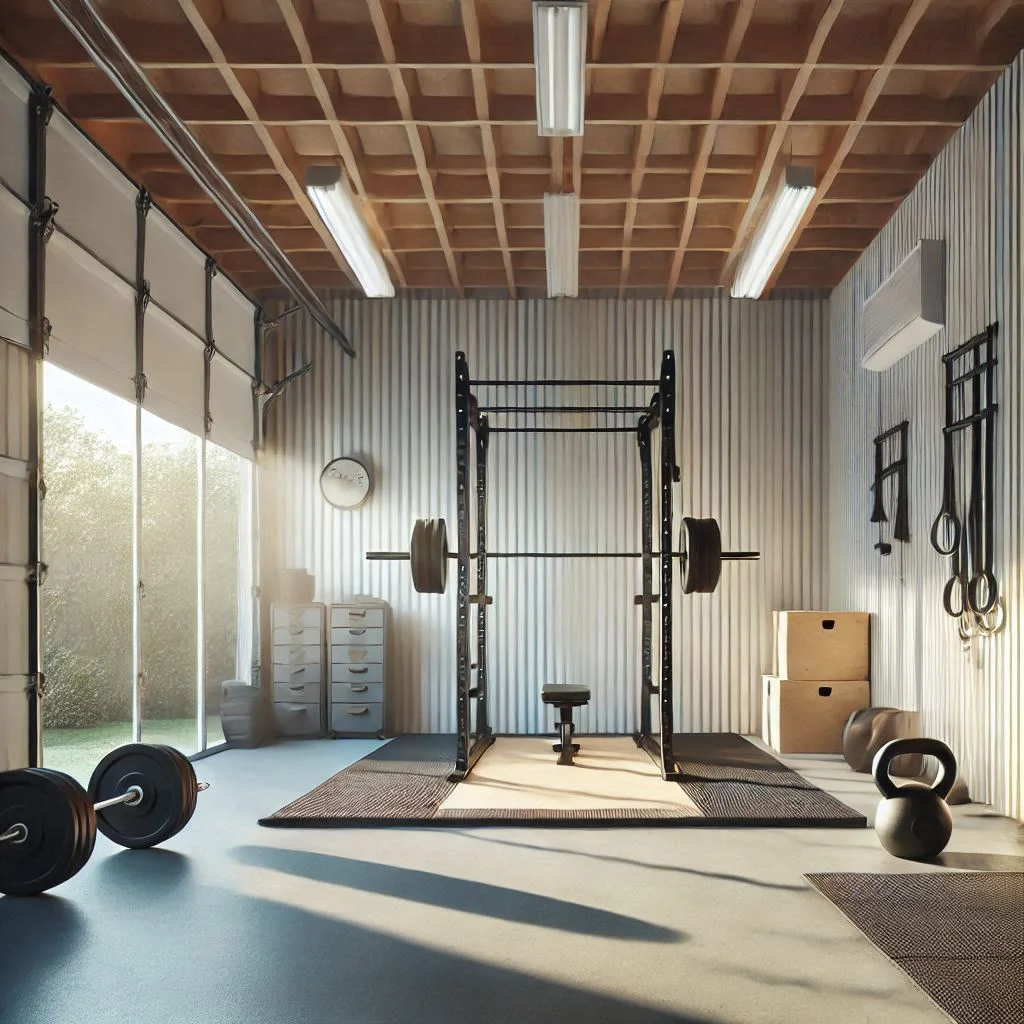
237, 923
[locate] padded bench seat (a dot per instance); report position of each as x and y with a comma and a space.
565, 697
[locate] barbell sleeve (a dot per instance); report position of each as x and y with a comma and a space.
17, 833
404, 556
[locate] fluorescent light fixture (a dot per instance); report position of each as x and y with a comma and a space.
333, 199
559, 51
774, 233
562, 243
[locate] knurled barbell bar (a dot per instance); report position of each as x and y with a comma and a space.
700, 555
140, 795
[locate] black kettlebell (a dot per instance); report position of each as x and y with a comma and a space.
913, 821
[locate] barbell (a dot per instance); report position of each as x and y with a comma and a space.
139, 796
700, 555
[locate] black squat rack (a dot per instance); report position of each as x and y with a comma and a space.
472, 438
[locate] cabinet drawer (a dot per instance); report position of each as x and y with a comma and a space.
363, 636
356, 615
357, 717
303, 693
297, 674
297, 719
301, 616
298, 654
352, 693
372, 673
297, 635
349, 654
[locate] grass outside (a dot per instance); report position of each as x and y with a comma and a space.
78, 751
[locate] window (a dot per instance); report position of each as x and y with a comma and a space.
88, 437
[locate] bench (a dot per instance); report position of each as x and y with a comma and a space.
565, 697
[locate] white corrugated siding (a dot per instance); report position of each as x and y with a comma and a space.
751, 444
971, 197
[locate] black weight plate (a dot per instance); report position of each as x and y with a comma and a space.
700, 557
428, 555
86, 815
190, 784
40, 802
176, 758
158, 815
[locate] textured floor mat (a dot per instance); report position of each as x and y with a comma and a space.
958, 935
405, 782
735, 782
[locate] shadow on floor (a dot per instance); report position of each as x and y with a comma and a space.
630, 862
201, 952
980, 861
461, 894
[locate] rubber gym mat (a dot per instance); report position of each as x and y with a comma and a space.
405, 782
734, 782
958, 935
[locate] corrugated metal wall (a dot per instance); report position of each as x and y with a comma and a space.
752, 447
971, 198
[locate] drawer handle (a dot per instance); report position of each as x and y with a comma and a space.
296, 630
359, 689
297, 688
359, 711
357, 632
357, 653
357, 615
360, 670
298, 671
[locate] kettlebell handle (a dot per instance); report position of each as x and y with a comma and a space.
914, 745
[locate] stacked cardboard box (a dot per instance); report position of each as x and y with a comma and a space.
822, 665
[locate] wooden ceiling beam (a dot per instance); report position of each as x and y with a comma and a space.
384, 26
742, 13
668, 31
843, 139
204, 31
816, 29
471, 26
296, 27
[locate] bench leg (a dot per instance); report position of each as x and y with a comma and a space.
565, 748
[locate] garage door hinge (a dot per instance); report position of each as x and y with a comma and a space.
37, 574
45, 219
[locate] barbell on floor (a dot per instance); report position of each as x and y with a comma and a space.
140, 795
700, 555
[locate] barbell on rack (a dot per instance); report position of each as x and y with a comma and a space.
700, 555
139, 796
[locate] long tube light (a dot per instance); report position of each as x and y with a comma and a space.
559, 50
774, 233
329, 193
562, 243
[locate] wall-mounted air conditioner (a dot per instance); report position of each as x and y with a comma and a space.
907, 309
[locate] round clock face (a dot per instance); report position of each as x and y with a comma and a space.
345, 483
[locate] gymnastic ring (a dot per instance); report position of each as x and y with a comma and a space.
947, 598
940, 521
984, 628
992, 591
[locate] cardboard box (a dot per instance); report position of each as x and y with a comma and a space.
823, 646
805, 716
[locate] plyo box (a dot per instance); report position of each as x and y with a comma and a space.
822, 645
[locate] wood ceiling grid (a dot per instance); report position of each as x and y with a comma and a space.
693, 108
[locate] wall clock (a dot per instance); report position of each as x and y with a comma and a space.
345, 483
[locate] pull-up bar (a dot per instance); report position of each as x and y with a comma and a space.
562, 430
629, 409
565, 383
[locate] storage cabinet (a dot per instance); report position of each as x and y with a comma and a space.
358, 665
299, 676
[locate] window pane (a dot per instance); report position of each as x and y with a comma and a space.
88, 437
170, 485
228, 578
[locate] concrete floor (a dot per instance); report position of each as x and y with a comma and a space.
234, 923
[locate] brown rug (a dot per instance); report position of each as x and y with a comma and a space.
958, 935
405, 782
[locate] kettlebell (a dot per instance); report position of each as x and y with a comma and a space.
913, 821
